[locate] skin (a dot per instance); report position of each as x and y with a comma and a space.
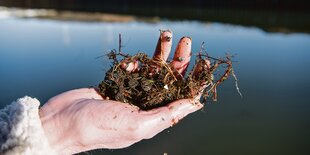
161, 52
81, 120
182, 55
163, 47
129, 66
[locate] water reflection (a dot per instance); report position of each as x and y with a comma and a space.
42, 58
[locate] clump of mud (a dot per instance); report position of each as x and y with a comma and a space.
156, 83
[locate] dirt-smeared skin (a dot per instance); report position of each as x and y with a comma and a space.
161, 53
86, 119
151, 82
163, 47
81, 120
130, 66
182, 55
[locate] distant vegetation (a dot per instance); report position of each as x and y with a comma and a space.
269, 15
100, 5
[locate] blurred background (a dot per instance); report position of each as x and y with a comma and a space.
51, 46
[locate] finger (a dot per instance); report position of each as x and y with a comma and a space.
182, 108
156, 120
163, 47
202, 66
161, 53
182, 55
130, 66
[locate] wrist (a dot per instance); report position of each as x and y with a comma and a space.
52, 132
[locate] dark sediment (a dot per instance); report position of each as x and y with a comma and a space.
156, 83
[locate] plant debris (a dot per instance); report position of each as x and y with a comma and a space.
156, 83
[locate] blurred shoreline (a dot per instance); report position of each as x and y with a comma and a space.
269, 21
124, 5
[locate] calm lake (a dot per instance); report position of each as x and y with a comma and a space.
43, 57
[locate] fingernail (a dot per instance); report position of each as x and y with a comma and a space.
163, 47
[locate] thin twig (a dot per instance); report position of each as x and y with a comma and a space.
220, 60
236, 82
120, 46
120, 43
202, 48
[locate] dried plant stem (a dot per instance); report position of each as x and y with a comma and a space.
236, 82
155, 83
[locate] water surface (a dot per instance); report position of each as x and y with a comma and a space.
43, 58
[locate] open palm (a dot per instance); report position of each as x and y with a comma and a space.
81, 120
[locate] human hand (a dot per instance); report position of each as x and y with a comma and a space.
81, 120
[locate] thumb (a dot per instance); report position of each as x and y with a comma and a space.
181, 108
156, 120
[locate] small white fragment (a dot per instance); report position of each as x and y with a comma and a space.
181, 58
166, 87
